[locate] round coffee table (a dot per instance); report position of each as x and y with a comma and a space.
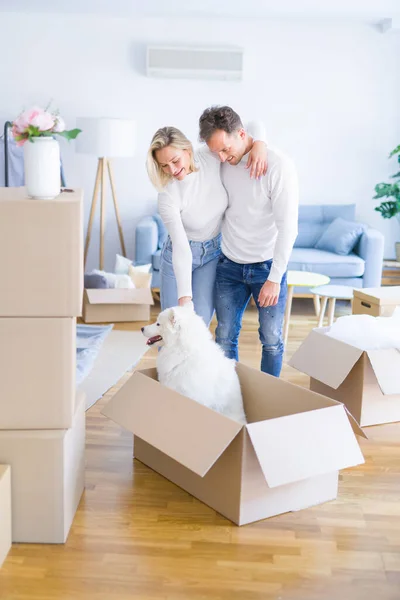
300, 279
331, 293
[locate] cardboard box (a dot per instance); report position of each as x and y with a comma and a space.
5, 512
38, 369
376, 302
286, 458
367, 382
41, 255
119, 305
47, 478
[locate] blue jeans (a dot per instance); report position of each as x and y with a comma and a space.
235, 284
205, 259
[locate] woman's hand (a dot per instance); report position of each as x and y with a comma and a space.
257, 160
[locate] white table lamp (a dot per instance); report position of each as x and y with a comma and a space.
106, 139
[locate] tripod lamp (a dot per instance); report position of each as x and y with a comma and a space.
105, 138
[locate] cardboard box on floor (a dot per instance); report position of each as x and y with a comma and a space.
367, 382
38, 367
48, 474
286, 458
376, 302
41, 254
5, 511
119, 305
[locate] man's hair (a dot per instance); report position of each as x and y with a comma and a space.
218, 117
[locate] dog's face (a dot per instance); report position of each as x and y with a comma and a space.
168, 325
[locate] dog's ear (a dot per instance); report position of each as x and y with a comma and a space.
173, 320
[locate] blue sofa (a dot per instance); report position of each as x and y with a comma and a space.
149, 239
360, 268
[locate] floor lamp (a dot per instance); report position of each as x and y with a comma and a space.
106, 139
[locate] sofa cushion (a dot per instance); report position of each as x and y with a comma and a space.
313, 219
156, 260
326, 263
340, 236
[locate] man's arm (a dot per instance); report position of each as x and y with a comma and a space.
285, 202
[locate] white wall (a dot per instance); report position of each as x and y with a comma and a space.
329, 95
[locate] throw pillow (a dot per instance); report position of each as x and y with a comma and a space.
95, 281
141, 278
340, 236
122, 265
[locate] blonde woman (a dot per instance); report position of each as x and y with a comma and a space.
191, 202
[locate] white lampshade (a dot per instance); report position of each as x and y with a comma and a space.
101, 137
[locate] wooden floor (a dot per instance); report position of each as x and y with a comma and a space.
137, 536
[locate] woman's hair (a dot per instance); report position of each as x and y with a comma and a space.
166, 136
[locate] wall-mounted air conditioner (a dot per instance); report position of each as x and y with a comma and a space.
188, 62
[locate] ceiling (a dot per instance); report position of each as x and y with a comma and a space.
362, 11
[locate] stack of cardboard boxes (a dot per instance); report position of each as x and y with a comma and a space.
42, 420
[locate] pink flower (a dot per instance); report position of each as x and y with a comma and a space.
43, 120
21, 123
36, 117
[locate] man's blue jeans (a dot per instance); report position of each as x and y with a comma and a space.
235, 284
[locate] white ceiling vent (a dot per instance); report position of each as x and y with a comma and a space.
180, 62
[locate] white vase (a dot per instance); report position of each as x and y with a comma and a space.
42, 168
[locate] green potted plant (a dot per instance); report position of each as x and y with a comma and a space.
391, 207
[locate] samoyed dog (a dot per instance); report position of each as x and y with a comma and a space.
192, 364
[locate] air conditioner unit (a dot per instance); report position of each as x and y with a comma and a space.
180, 62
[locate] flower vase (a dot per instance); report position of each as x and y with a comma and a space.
42, 168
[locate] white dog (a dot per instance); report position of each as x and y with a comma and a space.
192, 364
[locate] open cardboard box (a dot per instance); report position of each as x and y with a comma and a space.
367, 382
286, 458
119, 305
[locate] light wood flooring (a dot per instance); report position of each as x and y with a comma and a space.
137, 536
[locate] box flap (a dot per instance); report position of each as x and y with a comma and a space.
120, 296
305, 445
354, 425
387, 295
190, 433
325, 358
386, 366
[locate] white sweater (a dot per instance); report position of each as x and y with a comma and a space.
260, 222
192, 209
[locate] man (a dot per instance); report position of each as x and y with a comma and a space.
258, 233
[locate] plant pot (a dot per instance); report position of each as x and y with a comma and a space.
42, 168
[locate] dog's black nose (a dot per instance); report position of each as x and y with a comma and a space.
142, 329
